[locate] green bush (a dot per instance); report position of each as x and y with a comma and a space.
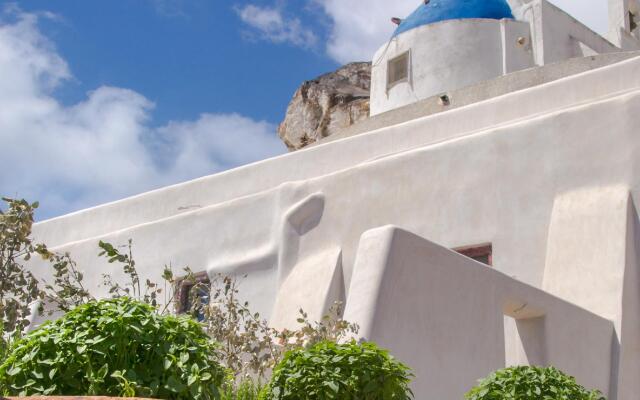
339, 371
244, 389
117, 347
531, 383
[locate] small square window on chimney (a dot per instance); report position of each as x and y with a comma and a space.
398, 70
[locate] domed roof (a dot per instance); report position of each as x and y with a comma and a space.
442, 10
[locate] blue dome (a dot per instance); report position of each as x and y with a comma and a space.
442, 10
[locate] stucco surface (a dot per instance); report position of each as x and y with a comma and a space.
315, 286
495, 185
620, 23
491, 44
514, 81
588, 230
331, 157
548, 175
440, 52
451, 329
558, 36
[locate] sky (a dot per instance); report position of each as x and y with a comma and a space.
103, 99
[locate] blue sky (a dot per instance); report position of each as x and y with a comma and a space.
186, 56
103, 99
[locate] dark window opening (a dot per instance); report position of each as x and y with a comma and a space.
193, 292
482, 253
398, 70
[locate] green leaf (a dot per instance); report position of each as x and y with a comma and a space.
173, 385
103, 371
333, 386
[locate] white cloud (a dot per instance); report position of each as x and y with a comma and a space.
360, 28
104, 147
216, 140
269, 24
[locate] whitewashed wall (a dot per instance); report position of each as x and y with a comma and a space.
449, 55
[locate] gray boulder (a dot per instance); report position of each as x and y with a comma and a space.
326, 105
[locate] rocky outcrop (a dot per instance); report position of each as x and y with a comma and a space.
326, 105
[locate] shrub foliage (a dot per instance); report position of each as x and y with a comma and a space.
249, 345
351, 371
244, 389
531, 383
18, 287
127, 346
117, 347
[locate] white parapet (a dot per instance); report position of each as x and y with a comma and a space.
450, 330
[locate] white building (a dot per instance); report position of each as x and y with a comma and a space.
515, 142
433, 51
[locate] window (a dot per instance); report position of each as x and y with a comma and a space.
189, 291
398, 70
481, 253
